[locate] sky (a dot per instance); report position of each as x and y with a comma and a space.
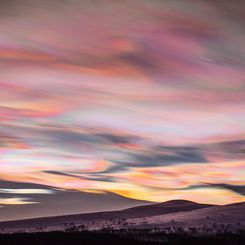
140, 99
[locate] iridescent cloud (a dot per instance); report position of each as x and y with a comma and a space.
140, 98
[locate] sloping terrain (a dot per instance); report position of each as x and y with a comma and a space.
96, 218
163, 208
171, 215
227, 218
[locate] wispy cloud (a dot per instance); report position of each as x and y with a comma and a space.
140, 98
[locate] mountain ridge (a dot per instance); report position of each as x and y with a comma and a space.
138, 211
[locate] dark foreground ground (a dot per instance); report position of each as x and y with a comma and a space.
119, 238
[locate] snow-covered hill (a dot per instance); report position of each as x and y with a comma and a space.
171, 215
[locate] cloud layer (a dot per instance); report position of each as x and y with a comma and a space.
140, 98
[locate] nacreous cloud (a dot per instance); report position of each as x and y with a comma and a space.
139, 98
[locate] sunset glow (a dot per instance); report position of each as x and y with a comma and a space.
144, 99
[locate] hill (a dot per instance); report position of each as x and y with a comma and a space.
96, 219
